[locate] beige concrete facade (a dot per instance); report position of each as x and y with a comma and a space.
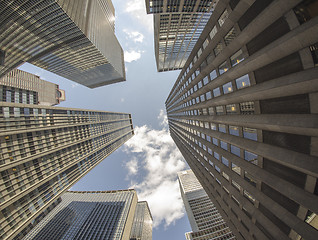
243, 114
44, 151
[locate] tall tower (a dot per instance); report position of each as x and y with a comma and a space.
45, 150
142, 226
205, 220
243, 112
73, 39
177, 27
89, 215
22, 87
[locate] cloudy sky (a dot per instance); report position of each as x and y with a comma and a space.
150, 160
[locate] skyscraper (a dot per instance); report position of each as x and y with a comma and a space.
205, 220
44, 151
22, 87
142, 225
89, 215
73, 39
177, 27
243, 112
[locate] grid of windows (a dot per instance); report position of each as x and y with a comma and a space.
50, 35
230, 114
81, 215
178, 26
206, 222
45, 150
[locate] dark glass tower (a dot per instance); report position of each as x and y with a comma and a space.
89, 215
243, 112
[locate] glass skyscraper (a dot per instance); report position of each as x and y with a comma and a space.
23, 87
205, 220
177, 27
243, 113
142, 225
45, 150
89, 215
73, 39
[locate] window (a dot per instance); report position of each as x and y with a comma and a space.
250, 157
250, 133
223, 68
235, 150
225, 161
236, 58
213, 32
219, 110
216, 92
213, 75
222, 128
236, 169
227, 88
223, 17
218, 49
231, 109
234, 130
223, 145
230, 36
243, 82
216, 155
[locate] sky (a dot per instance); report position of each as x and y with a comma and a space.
149, 161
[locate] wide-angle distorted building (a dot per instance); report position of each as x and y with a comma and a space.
243, 112
45, 150
94, 215
73, 39
205, 220
142, 224
23, 87
177, 27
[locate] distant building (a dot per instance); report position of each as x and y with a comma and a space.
22, 87
73, 39
89, 215
177, 27
205, 220
244, 114
142, 226
44, 150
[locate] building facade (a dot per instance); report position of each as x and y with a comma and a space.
89, 215
23, 87
205, 220
77, 43
44, 151
177, 27
243, 112
142, 225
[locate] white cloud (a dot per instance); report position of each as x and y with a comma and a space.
132, 55
132, 166
137, 10
160, 159
134, 35
163, 119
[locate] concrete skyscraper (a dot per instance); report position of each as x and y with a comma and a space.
243, 112
22, 87
142, 225
73, 39
177, 27
89, 215
45, 150
205, 220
